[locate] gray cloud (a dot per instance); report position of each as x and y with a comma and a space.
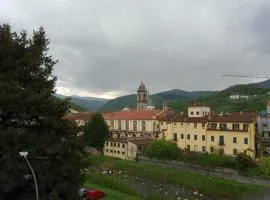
108, 47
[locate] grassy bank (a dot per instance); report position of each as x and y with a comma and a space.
211, 187
112, 194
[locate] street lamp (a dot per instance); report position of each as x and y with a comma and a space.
25, 154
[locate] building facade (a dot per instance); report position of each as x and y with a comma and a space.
264, 131
126, 149
227, 134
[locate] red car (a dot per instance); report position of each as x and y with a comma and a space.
94, 194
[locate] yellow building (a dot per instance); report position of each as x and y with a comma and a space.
229, 134
126, 149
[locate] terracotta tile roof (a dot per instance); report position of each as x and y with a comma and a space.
79, 116
133, 115
139, 141
232, 117
132, 140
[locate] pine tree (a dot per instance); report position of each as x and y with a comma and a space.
31, 119
96, 131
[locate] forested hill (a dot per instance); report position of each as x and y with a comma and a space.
156, 99
220, 101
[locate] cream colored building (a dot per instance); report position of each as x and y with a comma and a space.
126, 149
229, 134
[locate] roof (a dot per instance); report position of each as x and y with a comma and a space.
227, 117
133, 115
137, 141
233, 117
141, 88
141, 141
79, 116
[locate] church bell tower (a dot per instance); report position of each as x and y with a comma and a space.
141, 97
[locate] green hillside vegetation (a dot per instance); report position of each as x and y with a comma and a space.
220, 102
156, 99
76, 107
84, 103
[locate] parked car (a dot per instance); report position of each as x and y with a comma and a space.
91, 194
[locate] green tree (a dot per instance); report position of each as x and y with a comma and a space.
31, 119
163, 150
96, 131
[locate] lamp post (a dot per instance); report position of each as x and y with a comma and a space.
24, 154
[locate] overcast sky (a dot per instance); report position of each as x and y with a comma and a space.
106, 48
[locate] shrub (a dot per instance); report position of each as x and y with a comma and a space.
163, 150
264, 165
245, 161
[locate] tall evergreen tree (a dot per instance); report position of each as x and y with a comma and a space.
96, 131
31, 119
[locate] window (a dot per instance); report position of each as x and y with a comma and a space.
236, 127
134, 125
234, 140
111, 144
245, 140
114, 151
223, 126
203, 149
114, 144
203, 125
191, 113
133, 135
143, 126
174, 123
213, 126
123, 152
111, 151
188, 136
197, 113
112, 124
175, 137
234, 152
161, 123
195, 125
195, 137
118, 145
127, 125
118, 152
221, 140
203, 137
123, 145
106, 143
188, 147
119, 125
107, 150
245, 127
212, 149
212, 138
195, 148
182, 136
182, 124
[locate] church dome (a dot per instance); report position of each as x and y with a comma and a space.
141, 88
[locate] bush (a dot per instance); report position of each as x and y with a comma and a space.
264, 165
163, 150
213, 160
245, 161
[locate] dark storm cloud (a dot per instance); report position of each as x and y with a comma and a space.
110, 46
